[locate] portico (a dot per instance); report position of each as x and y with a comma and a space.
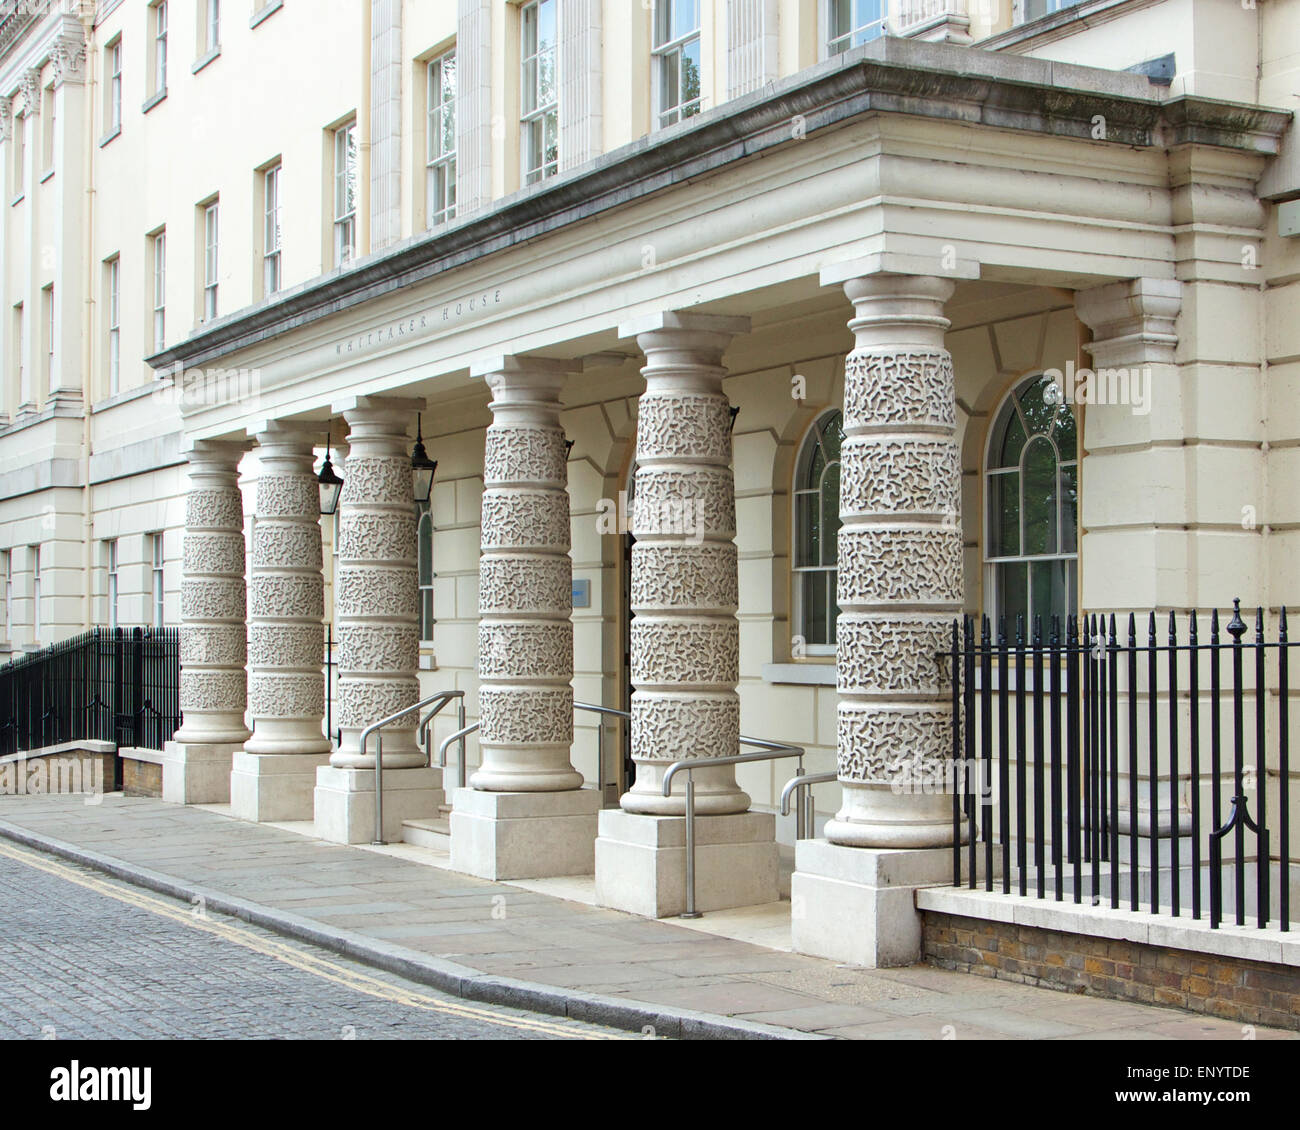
863, 273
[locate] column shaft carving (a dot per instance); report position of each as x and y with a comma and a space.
685, 636
525, 653
376, 600
900, 566
286, 682
213, 690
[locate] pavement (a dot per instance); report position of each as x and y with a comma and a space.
400, 910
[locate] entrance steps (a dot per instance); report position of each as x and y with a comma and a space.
433, 832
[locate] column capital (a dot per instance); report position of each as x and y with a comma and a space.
1131, 321
31, 88
893, 312
282, 433
686, 321
68, 56
6, 118
214, 451
522, 364
374, 408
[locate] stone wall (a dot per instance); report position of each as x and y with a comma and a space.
1253, 992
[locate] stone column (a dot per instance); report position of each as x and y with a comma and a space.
526, 814
377, 611
685, 638
899, 589
274, 777
213, 692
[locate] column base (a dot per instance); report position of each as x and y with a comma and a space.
197, 772
641, 862
524, 835
266, 787
858, 905
345, 802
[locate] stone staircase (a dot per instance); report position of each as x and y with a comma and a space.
432, 832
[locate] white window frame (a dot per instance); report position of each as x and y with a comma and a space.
113, 309
159, 257
113, 88
211, 258
807, 449
34, 552
835, 41
112, 590
346, 189
158, 578
424, 531
272, 236
668, 45
160, 47
48, 127
47, 300
20, 156
440, 162
24, 378
7, 565
536, 117
211, 25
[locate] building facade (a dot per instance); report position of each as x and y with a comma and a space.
754, 341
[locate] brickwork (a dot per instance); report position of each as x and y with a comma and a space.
141, 778
1252, 992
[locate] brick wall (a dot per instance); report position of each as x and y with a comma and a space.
1253, 992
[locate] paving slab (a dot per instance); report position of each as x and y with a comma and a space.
524, 947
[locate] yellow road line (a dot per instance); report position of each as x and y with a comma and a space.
308, 961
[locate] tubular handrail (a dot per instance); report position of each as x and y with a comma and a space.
461, 734
441, 698
799, 784
771, 751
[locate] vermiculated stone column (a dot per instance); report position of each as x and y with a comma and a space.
286, 681
900, 566
377, 612
685, 641
899, 591
685, 636
273, 779
526, 814
213, 686
525, 634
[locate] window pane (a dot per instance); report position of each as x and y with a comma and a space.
1039, 498
1006, 452
1069, 508
686, 16
546, 25
1039, 409
1051, 590
830, 506
669, 81
1065, 432
808, 546
691, 74
1004, 515
816, 606
1012, 584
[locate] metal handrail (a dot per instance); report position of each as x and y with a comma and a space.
805, 807
464, 731
771, 752
442, 698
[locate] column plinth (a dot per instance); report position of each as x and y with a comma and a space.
213, 683
274, 777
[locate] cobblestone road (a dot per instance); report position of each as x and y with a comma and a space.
85, 957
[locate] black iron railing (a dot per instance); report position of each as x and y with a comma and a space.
1152, 773
119, 685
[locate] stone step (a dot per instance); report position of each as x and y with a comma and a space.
433, 833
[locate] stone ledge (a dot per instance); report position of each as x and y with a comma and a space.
1162, 930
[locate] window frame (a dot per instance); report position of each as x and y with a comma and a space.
20, 159
440, 163
34, 553
158, 260
24, 377
211, 259
671, 47
7, 566
848, 38
159, 19
272, 232
813, 439
989, 563
534, 121
113, 321
49, 142
49, 320
211, 26
157, 546
112, 588
423, 555
345, 168
113, 86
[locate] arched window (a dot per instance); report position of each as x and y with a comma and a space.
424, 560
816, 533
1031, 497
